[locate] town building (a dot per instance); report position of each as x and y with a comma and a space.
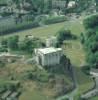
48, 56
51, 42
58, 3
71, 4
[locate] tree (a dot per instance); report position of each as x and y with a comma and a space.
13, 42
82, 38
26, 45
94, 47
83, 5
89, 42
2, 64
90, 32
91, 21
4, 42
64, 35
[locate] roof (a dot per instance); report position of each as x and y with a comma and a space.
49, 50
71, 3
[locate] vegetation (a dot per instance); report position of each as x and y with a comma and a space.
53, 20
91, 21
91, 24
64, 35
13, 43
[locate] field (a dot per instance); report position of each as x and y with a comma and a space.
74, 50
41, 32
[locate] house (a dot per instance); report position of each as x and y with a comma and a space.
48, 56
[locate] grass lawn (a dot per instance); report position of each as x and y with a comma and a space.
94, 98
74, 50
76, 27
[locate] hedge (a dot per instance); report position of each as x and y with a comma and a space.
18, 27
52, 20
